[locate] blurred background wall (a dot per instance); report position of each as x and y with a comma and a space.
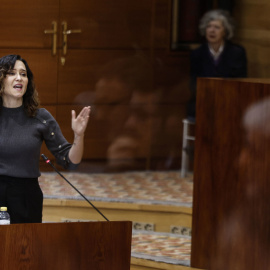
129, 60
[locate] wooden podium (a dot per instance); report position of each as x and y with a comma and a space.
220, 190
67, 246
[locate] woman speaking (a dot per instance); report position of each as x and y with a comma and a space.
23, 128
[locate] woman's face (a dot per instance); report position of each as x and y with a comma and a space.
15, 85
215, 32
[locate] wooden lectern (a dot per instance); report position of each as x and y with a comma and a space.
66, 246
221, 200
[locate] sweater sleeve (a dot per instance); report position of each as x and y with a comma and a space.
54, 139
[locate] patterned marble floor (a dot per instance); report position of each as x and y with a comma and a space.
161, 247
132, 187
166, 188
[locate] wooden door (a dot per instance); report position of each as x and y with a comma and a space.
22, 32
114, 58
102, 65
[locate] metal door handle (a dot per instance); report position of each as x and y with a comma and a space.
67, 32
53, 31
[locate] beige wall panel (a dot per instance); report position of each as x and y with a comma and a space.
256, 15
253, 33
259, 64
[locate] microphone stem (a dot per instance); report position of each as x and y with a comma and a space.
49, 162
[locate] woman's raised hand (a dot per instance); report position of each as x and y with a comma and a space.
80, 122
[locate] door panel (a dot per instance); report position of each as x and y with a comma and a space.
111, 65
108, 24
23, 23
22, 32
106, 65
115, 132
97, 139
85, 68
161, 24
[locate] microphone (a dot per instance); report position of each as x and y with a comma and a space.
49, 162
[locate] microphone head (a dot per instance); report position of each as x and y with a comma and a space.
44, 157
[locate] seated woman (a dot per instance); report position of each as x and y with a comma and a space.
217, 56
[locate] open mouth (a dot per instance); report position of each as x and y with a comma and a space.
18, 86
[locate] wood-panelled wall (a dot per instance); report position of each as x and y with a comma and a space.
252, 31
230, 222
121, 64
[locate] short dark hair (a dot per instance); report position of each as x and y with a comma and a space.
30, 98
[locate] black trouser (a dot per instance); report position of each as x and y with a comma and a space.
23, 199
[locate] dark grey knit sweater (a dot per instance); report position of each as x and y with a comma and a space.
21, 138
